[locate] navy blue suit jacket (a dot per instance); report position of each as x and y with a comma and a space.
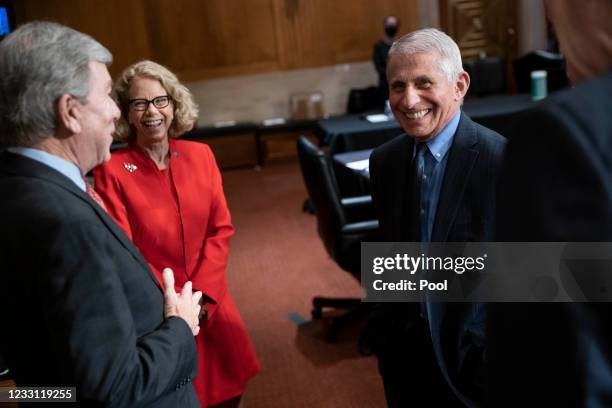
80, 305
466, 212
557, 187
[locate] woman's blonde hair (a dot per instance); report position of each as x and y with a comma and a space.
185, 109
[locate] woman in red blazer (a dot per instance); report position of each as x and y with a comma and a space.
167, 196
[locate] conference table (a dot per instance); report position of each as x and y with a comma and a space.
357, 161
353, 132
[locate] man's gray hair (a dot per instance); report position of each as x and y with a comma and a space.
432, 40
40, 62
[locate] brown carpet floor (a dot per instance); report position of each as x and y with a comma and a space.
277, 264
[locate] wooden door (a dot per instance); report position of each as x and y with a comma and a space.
481, 27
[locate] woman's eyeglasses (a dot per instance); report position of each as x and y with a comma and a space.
159, 102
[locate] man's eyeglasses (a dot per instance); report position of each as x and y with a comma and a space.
159, 102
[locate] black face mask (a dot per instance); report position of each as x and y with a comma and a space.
391, 30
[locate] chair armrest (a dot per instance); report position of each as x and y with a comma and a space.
356, 201
358, 208
360, 227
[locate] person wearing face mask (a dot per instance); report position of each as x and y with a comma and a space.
167, 195
380, 55
435, 183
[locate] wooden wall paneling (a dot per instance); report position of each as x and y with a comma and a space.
320, 32
355, 25
351, 29
205, 38
408, 13
301, 33
285, 51
130, 42
118, 25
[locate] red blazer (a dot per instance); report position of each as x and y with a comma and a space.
178, 218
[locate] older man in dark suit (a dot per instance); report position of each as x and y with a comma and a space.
80, 305
557, 186
435, 183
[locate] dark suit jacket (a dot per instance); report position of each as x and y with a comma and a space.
466, 212
557, 186
80, 306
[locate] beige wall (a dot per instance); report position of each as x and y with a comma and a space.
263, 96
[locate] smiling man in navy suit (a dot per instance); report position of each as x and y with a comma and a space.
434, 183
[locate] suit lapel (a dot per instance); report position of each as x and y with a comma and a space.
461, 159
19, 165
120, 235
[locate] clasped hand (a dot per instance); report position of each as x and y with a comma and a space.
185, 305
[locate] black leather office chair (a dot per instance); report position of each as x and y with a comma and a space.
553, 64
364, 100
488, 76
341, 237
